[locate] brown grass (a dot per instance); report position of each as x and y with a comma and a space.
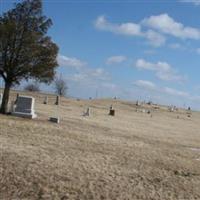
129, 156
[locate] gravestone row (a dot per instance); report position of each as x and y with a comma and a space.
24, 106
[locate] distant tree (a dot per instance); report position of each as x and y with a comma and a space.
32, 87
25, 49
60, 86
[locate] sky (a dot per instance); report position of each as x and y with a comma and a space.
130, 49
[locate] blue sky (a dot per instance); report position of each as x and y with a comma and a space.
147, 49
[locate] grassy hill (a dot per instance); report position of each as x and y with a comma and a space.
130, 156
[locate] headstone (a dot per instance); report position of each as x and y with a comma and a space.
138, 103
112, 111
46, 100
25, 107
54, 119
1, 97
171, 109
87, 113
149, 103
57, 100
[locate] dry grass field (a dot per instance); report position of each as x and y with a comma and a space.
129, 156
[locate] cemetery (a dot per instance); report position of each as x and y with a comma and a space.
97, 150
118, 121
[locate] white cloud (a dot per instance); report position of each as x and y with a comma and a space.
198, 51
91, 81
115, 60
175, 46
150, 52
175, 92
162, 69
65, 61
90, 76
84, 74
111, 86
167, 25
147, 90
148, 85
145, 84
195, 2
130, 29
155, 39
153, 29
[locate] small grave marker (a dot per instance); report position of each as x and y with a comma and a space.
46, 100
54, 119
138, 103
112, 111
57, 100
87, 113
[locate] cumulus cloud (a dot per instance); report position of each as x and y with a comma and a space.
145, 84
195, 2
150, 51
90, 76
115, 60
148, 85
155, 38
154, 29
84, 74
89, 81
111, 86
175, 92
147, 90
167, 25
175, 46
198, 51
163, 70
65, 61
130, 29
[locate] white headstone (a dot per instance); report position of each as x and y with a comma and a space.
1, 97
25, 107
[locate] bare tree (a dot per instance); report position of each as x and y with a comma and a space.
60, 86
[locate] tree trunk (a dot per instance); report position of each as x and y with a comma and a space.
4, 105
